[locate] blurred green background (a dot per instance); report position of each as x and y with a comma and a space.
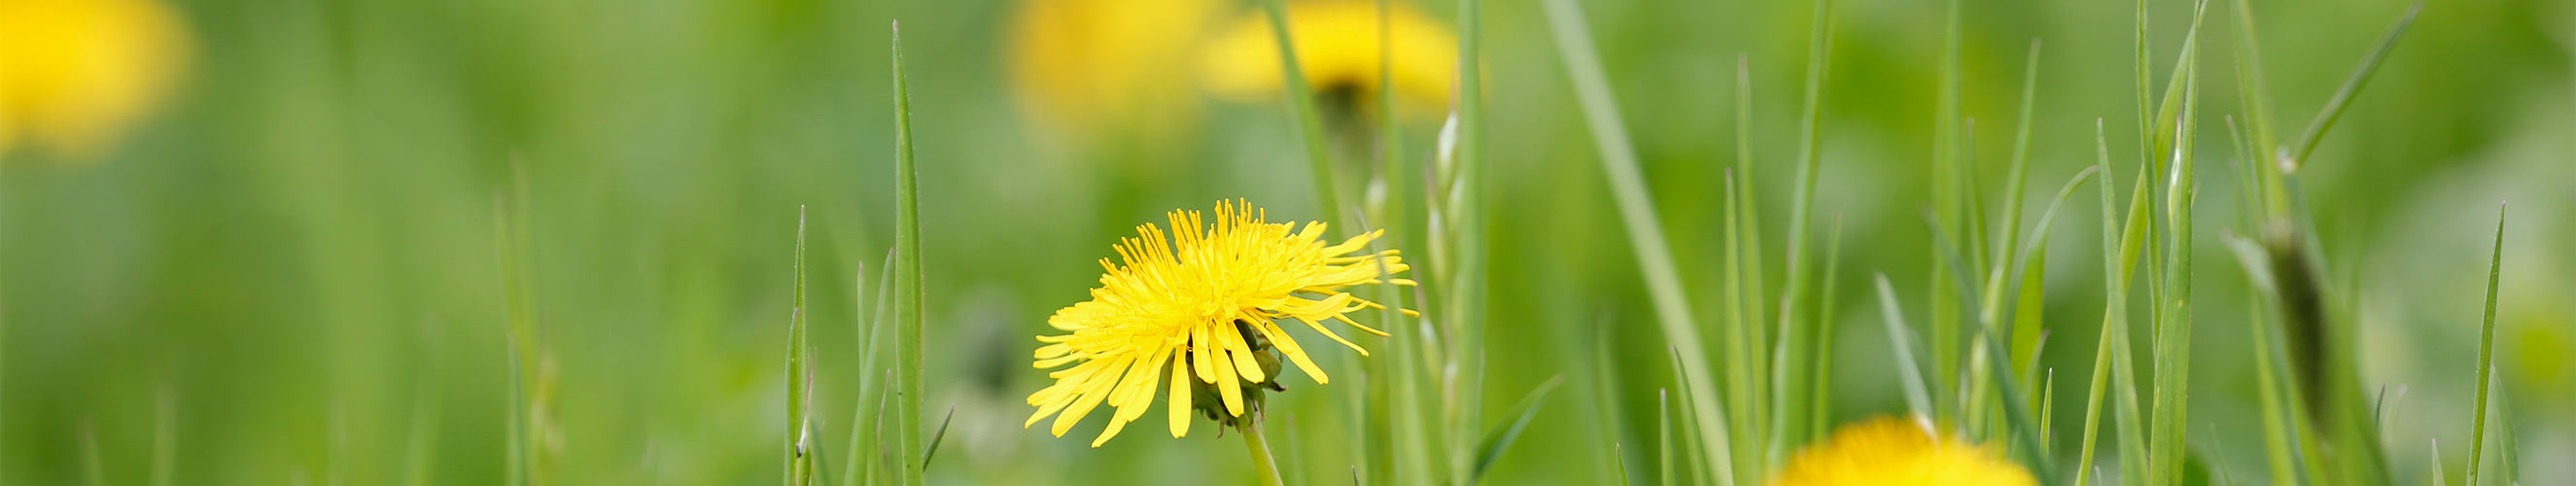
297, 255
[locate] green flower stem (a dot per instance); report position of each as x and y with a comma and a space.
1262, 463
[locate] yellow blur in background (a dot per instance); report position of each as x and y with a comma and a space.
75, 74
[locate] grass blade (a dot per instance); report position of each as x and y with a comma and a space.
1664, 436
931, 450
1821, 415
861, 418
1917, 398
1798, 335
1645, 230
1301, 98
910, 300
2486, 354
2276, 431
1500, 439
800, 377
2352, 85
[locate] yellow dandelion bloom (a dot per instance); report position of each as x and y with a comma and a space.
1093, 68
1888, 451
1207, 304
1338, 45
75, 73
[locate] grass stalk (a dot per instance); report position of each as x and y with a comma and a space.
800, 377
910, 300
1820, 414
856, 464
1799, 334
2334, 107
1301, 100
2486, 355
1645, 230
1918, 398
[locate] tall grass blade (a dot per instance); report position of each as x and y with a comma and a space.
1500, 438
1918, 398
1664, 436
2352, 85
931, 450
2509, 454
1748, 265
800, 377
1948, 203
1798, 333
2486, 354
1301, 98
2019, 173
1619, 462
871, 325
909, 301
1821, 414
1637, 214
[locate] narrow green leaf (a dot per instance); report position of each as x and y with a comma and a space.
1821, 417
2486, 354
1619, 462
910, 303
2352, 85
870, 332
2019, 174
1917, 398
1301, 98
1500, 438
931, 450
1664, 436
1798, 331
1645, 229
800, 378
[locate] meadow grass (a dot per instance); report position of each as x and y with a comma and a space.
1737, 412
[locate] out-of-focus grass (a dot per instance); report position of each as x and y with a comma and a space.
305, 236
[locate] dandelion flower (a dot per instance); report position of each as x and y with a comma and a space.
75, 73
1338, 47
1887, 451
1206, 304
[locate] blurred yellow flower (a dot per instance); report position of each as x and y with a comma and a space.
1888, 451
75, 73
1208, 301
1093, 68
1338, 46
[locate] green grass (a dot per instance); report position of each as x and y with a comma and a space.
306, 298
910, 302
2486, 357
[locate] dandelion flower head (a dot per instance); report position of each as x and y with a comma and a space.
1205, 304
1887, 451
